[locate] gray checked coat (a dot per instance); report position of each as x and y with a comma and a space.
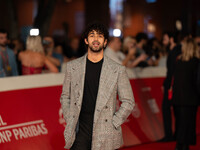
107, 133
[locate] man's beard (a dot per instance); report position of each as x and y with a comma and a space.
99, 49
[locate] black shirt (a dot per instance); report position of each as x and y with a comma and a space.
91, 86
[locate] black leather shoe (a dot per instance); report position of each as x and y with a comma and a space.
167, 139
185, 147
182, 147
179, 146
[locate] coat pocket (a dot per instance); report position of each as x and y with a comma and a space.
117, 137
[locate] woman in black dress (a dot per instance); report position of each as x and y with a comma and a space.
185, 96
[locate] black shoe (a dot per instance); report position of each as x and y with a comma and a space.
167, 139
185, 147
179, 146
182, 147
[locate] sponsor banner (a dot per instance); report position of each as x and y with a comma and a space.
31, 116
31, 119
145, 122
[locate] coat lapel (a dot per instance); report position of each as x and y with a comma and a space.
108, 78
79, 79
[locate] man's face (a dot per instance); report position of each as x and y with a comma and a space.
95, 41
165, 39
3, 39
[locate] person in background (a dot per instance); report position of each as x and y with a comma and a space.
54, 57
165, 41
8, 65
58, 49
113, 50
72, 50
152, 50
162, 61
185, 96
169, 41
17, 46
33, 59
142, 39
128, 43
129, 49
197, 40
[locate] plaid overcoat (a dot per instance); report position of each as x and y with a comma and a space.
107, 132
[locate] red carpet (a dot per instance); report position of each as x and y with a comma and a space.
161, 146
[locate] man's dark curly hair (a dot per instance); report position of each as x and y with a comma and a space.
98, 27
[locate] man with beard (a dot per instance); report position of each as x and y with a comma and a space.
89, 93
8, 66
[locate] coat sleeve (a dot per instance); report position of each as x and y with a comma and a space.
125, 95
65, 96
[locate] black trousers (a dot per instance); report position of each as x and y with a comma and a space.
186, 124
167, 115
83, 140
81, 143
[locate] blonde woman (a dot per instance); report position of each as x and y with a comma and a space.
33, 59
185, 96
129, 49
128, 43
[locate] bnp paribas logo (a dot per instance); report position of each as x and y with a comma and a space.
21, 131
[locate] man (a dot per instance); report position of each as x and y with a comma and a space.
8, 66
166, 103
89, 95
113, 50
174, 49
72, 50
145, 61
141, 39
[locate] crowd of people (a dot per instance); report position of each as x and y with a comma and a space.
179, 53
181, 89
37, 55
42, 55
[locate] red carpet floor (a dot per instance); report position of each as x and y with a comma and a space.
161, 146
